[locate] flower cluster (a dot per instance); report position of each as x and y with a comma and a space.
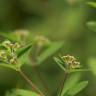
71, 62
41, 41
8, 55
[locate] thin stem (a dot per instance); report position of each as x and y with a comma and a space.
63, 83
30, 83
41, 79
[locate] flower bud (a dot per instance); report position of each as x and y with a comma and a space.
41, 40
22, 33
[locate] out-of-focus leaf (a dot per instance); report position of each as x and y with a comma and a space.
2, 48
23, 55
78, 70
9, 36
55, 46
92, 25
14, 67
92, 64
77, 88
24, 50
93, 4
21, 92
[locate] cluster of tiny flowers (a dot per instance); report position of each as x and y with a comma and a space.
71, 62
41, 41
3, 55
9, 54
11, 46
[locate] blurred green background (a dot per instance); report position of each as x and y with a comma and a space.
59, 20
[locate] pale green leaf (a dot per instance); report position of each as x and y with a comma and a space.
93, 4
78, 70
92, 25
21, 92
9, 36
92, 64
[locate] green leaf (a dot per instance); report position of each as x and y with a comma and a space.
23, 55
58, 61
92, 25
93, 4
21, 92
78, 70
70, 82
2, 48
92, 64
9, 66
23, 50
9, 36
55, 46
77, 88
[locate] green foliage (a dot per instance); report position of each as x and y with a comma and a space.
53, 48
60, 20
23, 50
11, 55
92, 64
23, 54
76, 89
93, 4
9, 36
59, 62
21, 92
69, 64
9, 66
20, 56
92, 25
70, 82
